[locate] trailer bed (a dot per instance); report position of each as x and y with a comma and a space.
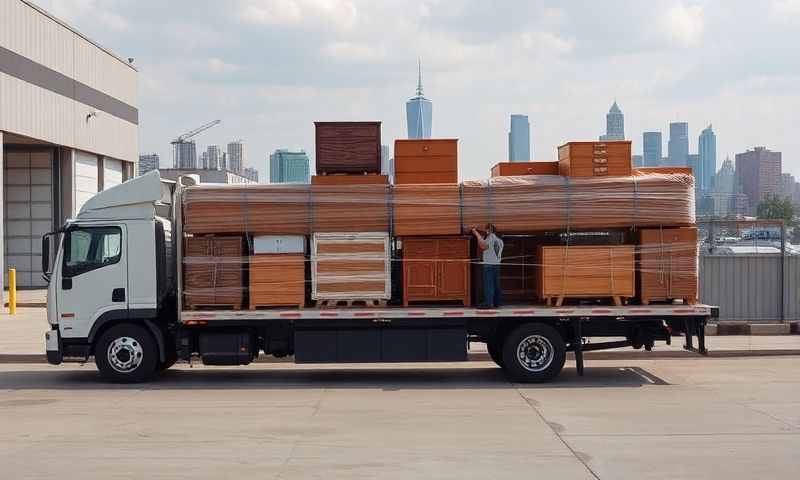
190, 317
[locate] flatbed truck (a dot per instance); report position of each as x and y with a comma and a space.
115, 289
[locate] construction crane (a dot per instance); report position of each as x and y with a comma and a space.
178, 144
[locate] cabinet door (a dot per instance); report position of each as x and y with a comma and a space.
452, 281
420, 280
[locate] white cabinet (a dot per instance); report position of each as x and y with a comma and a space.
279, 244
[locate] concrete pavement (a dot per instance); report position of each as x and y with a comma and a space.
645, 419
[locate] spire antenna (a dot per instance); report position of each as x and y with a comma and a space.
419, 78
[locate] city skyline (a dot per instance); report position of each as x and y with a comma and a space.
519, 139
537, 64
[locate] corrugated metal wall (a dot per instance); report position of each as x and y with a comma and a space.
748, 287
39, 113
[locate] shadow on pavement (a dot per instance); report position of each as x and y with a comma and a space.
400, 378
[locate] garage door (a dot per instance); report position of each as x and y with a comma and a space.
85, 178
112, 172
28, 213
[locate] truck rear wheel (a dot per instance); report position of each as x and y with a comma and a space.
126, 353
534, 353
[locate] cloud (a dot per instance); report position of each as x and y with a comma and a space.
354, 52
92, 10
684, 24
342, 14
546, 42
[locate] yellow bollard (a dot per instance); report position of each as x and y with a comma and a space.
12, 291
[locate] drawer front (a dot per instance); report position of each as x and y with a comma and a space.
426, 148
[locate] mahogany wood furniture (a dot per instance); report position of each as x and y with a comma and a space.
348, 147
595, 159
433, 160
277, 279
507, 169
436, 269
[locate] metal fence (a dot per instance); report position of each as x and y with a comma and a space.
750, 279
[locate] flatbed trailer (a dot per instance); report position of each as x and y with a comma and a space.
111, 297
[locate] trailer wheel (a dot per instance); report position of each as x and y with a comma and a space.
495, 349
126, 353
534, 352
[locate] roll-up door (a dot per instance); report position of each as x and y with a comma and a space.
85, 178
112, 172
28, 212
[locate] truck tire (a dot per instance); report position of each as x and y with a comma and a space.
495, 349
533, 353
126, 353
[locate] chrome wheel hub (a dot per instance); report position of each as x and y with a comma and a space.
535, 353
125, 354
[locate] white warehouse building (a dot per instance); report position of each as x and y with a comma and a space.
68, 129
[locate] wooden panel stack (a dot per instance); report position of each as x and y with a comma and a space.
276, 209
350, 208
668, 265
436, 269
638, 172
509, 169
424, 210
426, 161
213, 272
350, 180
595, 159
348, 147
350, 267
277, 280
586, 272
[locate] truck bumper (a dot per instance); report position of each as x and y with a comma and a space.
52, 343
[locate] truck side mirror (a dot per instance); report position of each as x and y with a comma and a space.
46, 257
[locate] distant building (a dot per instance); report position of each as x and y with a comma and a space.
637, 161
707, 163
206, 175
215, 157
519, 139
758, 174
724, 181
148, 162
419, 112
286, 166
387, 163
693, 161
615, 124
651, 150
236, 156
678, 145
204, 160
185, 154
250, 173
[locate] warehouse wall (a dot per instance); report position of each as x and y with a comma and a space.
65, 78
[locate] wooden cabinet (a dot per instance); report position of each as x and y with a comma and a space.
595, 159
506, 169
668, 264
348, 147
427, 160
350, 266
213, 272
436, 269
586, 272
277, 280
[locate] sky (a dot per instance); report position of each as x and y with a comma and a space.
270, 68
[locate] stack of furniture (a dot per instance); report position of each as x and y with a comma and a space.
348, 147
426, 161
668, 265
214, 272
277, 271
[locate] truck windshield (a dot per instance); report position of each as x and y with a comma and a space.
88, 248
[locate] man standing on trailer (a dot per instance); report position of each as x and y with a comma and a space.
492, 247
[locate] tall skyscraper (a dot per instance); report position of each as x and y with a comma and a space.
678, 144
204, 160
651, 150
725, 179
758, 174
615, 124
387, 163
693, 162
185, 154
519, 139
707, 165
286, 166
419, 112
250, 173
148, 162
637, 161
236, 156
215, 153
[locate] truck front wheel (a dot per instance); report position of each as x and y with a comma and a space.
126, 353
534, 352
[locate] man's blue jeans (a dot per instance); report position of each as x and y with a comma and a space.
492, 294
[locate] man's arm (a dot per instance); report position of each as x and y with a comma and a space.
481, 242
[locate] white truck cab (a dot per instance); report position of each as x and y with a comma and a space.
110, 268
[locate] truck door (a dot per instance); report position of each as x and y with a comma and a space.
94, 278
